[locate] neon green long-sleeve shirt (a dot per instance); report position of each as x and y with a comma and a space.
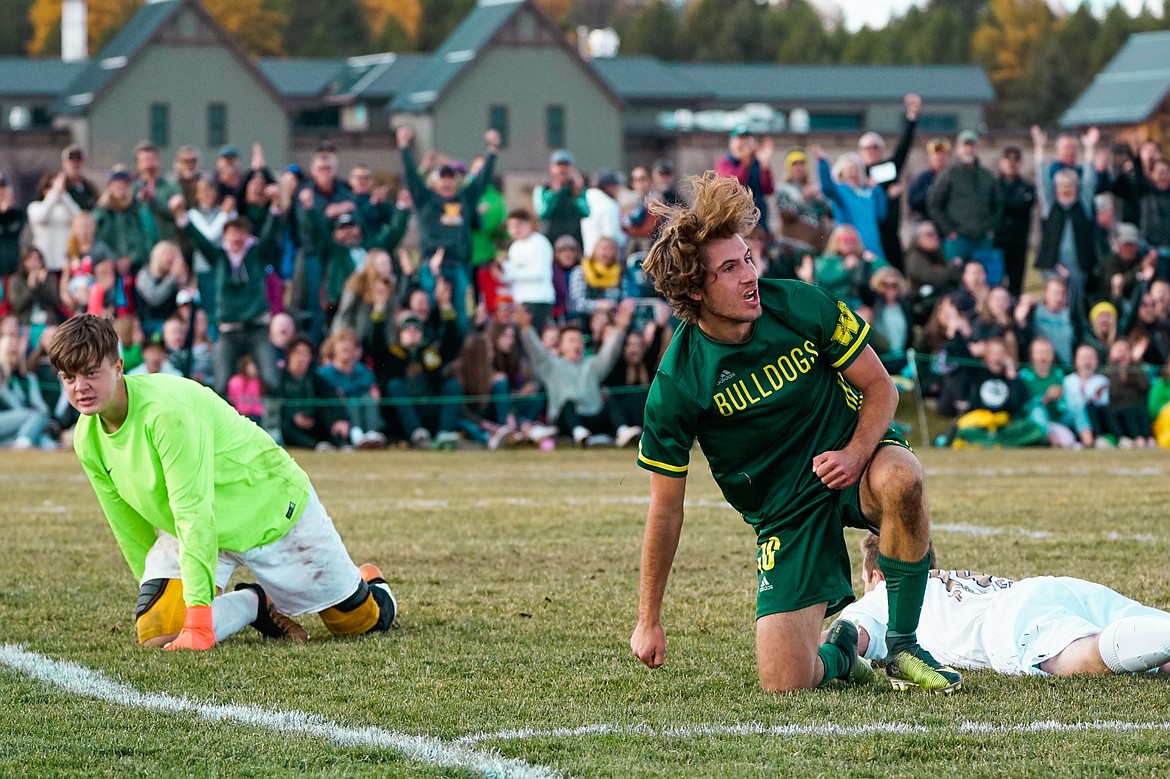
187, 463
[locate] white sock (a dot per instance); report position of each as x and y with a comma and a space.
355, 434
233, 611
1135, 644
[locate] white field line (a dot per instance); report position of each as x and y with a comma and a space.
818, 731
459, 753
84, 681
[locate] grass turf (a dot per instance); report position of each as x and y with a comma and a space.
516, 574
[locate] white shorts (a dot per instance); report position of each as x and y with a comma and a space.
1040, 616
306, 571
162, 562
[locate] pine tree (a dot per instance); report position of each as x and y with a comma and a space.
406, 13
438, 19
653, 32
255, 24
103, 20
1008, 39
16, 30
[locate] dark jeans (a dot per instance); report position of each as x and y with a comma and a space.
628, 406
320, 431
525, 408
1015, 257
1128, 422
601, 423
249, 339
438, 417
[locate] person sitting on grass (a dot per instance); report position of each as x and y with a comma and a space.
417, 370
310, 416
573, 379
1038, 626
24, 415
352, 381
187, 485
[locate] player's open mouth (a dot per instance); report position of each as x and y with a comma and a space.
752, 295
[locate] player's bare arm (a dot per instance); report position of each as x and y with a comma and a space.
841, 468
663, 526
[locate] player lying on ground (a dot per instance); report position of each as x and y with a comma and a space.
190, 488
1040, 625
793, 409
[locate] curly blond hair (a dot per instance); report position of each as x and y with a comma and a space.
721, 208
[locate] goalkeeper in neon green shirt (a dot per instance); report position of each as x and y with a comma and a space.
192, 490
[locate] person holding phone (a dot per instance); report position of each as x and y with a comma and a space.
886, 172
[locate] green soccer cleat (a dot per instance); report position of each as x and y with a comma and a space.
843, 635
911, 666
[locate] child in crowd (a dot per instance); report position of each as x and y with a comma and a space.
1127, 417
24, 416
1046, 407
244, 390
352, 381
1087, 394
130, 340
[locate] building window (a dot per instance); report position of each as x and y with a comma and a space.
160, 124
554, 126
944, 124
834, 122
217, 124
498, 120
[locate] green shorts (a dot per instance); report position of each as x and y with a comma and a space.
802, 563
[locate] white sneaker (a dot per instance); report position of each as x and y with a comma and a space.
1102, 442
372, 440
22, 444
1125, 442
325, 446
356, 434
538, 433
626, 435
500, 437
599, 439
446, 440
581, 436
420, 438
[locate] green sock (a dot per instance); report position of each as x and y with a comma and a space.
905, 588
836, 663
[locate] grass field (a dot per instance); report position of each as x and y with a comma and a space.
516, 573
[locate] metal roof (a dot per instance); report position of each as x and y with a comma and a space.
24, 77
1130, 88
381, 76
117, 54
460, 48
648, 79
302, 78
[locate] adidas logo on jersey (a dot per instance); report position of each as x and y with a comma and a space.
724, 377
765, 585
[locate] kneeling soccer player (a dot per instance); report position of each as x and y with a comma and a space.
792, 407
190, 489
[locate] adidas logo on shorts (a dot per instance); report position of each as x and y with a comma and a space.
765, 585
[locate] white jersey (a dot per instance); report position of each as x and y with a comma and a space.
976, 621
951, 626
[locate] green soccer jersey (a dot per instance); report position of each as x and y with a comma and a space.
187, 463
761, 409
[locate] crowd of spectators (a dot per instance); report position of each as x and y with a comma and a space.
296, 296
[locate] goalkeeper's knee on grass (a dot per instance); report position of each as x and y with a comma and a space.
371, 608
160, 610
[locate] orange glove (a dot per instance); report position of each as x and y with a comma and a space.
197, 632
